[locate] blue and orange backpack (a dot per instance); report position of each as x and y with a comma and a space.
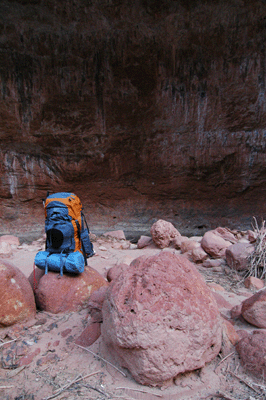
68, 243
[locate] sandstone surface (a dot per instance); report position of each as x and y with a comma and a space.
237, 255
160, 319
16, 296
214, 244
57, 294
163, 233
252, 351
254, 309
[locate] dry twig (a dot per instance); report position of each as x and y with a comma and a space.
6, 387
257, 259
224, 395
9, 341
228, 355
140, 390
76, 380
96, 355
246, 383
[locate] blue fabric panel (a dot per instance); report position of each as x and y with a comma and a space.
88, 247
62, 195
65, 230
72, 263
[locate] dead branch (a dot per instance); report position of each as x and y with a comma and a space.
140, 390
6, 387
9, 341
257, 259
225, 358
96, 355
244, 381
62, 389
224, 395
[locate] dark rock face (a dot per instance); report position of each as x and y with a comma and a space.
139, 108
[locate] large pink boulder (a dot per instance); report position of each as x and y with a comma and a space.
68, 292
214, 244
163, 233
16, 296
237, 255
160, 319
252, 352
254, 309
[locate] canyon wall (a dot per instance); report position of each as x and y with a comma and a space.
147, 109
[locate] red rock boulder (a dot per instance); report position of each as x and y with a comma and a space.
214, 244
57, 293
160, 319
16, 296
252, 352
237, 255
163, 233
254, 309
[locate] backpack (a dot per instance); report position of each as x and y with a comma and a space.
68, 243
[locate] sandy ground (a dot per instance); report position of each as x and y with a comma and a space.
53, 366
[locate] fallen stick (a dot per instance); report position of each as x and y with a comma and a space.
243, 380
224, 395
96, 355
62, 389
6, 387
228, 355
9, 341
140, 390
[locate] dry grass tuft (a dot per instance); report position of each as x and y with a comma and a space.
257, 259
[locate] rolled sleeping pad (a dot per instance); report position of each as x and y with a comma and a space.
72, 263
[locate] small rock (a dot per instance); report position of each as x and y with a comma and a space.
188, 245
253, 283
214, 244
90, 334
115, 271
144, 241
198, 255
178, 240
116, 234
254, 309
237, 255
163, 233
10, 239
226, 234
236, 311
5, 248
102, 248
213, 263
252, 352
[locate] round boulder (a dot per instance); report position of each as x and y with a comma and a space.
160, 319
57, 293
254, 309
16, 296
163, 233
252, 352
214, 244
237, 255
